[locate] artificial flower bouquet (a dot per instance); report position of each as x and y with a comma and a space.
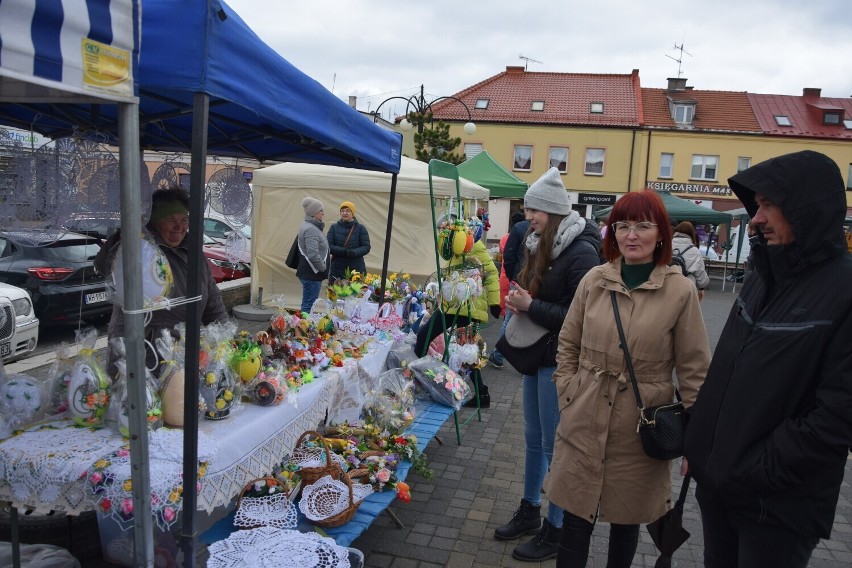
220, 386
390, 403
444, 385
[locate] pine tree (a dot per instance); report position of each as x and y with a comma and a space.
434, 140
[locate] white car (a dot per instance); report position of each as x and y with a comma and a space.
18, 323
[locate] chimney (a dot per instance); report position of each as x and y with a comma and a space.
353, 101
811, 92
677, 84
514, 68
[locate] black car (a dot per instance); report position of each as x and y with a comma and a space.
57, 271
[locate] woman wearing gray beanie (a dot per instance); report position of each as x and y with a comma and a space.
313, 252
560, 248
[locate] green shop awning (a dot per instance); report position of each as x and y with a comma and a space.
484, 170
683, 210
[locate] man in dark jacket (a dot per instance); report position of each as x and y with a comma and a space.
769, 436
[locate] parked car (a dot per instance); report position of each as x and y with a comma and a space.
223, 265
57, 272
220, 229
18, 323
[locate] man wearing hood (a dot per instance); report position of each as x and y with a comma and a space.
769, 435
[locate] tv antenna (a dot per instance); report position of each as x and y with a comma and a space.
680, 58
527, 61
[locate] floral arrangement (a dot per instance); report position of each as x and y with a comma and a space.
281, 481
352, 284
444, 385
397, 286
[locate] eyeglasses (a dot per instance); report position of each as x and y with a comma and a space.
641, 228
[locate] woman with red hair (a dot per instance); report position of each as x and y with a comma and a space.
599, 469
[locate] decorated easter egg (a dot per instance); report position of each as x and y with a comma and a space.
157, 277
152, 406
88, 393
172, 398
459, 242
477, 228
248, 367
445, 244
447, 290
469, 243
21, 398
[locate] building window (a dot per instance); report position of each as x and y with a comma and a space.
481, 104
743, 163
596, 108
523, 158
831, 118
848, 123
558, 158
471, 150
594, 165
849, 179
704, 167
537, 106
782, 120
683, 114
666, 163
183, 181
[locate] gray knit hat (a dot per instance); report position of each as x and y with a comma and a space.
548, 194
311, 206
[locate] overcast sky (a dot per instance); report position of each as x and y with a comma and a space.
376, 49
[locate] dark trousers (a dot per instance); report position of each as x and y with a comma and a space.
577, 535
731, 541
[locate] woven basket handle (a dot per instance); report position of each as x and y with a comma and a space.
249, 485
349, 485
320, 437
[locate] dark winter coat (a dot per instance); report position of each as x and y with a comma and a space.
551, 304
770, 432
514, 252
347, 254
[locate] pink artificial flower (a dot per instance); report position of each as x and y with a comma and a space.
127, 507
168, 514
383, 475
122, 453
97, 477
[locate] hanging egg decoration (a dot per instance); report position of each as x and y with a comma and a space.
459, 241
20, 399
445, 240
157, 277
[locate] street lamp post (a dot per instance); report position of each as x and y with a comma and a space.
417, 109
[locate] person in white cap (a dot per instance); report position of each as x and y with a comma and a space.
560, 248
313, 252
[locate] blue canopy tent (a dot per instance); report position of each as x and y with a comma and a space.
206, 84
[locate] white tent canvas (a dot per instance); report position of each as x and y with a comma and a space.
278, 192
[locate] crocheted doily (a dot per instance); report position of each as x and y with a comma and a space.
314, 456
268, 547
270, 510
328, 497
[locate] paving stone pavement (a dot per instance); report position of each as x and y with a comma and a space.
478, 485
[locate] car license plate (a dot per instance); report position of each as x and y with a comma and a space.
5, 349
96, 297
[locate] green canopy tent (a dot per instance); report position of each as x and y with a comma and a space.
484, 170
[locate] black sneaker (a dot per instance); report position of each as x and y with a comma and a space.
495, 362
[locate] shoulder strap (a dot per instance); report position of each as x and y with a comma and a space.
623, 346
349, 234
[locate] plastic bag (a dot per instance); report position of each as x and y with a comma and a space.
157, 277
444, 385
391, 404
89, 386
219, 385
119, 404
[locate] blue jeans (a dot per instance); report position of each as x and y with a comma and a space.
310, 293
496, 355
541, 416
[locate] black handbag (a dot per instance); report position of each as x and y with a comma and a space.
661, 428
292, 260
527, 346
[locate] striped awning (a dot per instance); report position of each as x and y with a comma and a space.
68, 50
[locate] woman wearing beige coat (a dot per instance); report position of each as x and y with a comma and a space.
599, 470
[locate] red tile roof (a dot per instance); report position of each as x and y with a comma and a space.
805, 114
566, 99
727, 111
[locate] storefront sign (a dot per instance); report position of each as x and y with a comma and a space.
702, 188
595, 199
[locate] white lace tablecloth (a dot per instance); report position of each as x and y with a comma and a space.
44, 469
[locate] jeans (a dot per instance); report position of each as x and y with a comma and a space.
732, 541
310, 293
577, 535
541, 416
496, 355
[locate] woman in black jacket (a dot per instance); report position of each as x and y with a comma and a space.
348, 242
560, 248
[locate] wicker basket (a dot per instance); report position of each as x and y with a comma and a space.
346, 515
309, 475
291, 496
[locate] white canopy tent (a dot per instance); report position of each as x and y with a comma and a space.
278, 193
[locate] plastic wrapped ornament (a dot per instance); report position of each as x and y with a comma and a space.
153, 408
157, 277
20, 400
88, 392
218, 385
